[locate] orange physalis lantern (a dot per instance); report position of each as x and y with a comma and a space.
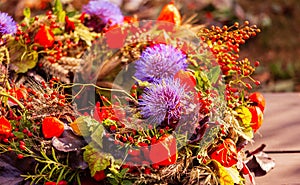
226, 153
170, 13
5, 127
51, 127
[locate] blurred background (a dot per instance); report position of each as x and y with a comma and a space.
276, 47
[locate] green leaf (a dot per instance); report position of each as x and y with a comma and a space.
61, 16
84, 125
26, 13
214, 74
126, 182
208, 139
26, 62
109, 122
58, 10
58, 7
123, 172
203, 82
19, 135
57, 31
113, 181
84, 33
97, 135
96, 160
71, 13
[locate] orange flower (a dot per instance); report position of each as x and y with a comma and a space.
170, 13
44, 36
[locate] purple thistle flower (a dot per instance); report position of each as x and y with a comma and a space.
162, 101
102, 12
158, 62
7, 24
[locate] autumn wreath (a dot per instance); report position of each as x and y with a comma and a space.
97, 97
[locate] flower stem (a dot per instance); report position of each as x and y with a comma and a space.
13, 98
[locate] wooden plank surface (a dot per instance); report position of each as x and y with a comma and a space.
286, 171
281, 133
281, 127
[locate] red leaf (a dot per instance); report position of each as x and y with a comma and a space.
69, 26
246, 171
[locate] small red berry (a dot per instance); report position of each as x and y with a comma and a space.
113, 128
5, 140
134, 87
22, 147
34, 48
61, 96
62, 182
49, 12
256, 64
20, 156
248, 86
155, 166
147, 171
29, 134
257, 83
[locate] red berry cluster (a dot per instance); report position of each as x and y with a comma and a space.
47, 95
225, 42
42, 34
112, 112
15, 133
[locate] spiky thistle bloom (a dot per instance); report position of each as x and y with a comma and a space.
166, 102
158, 62
7, 24
101, 13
